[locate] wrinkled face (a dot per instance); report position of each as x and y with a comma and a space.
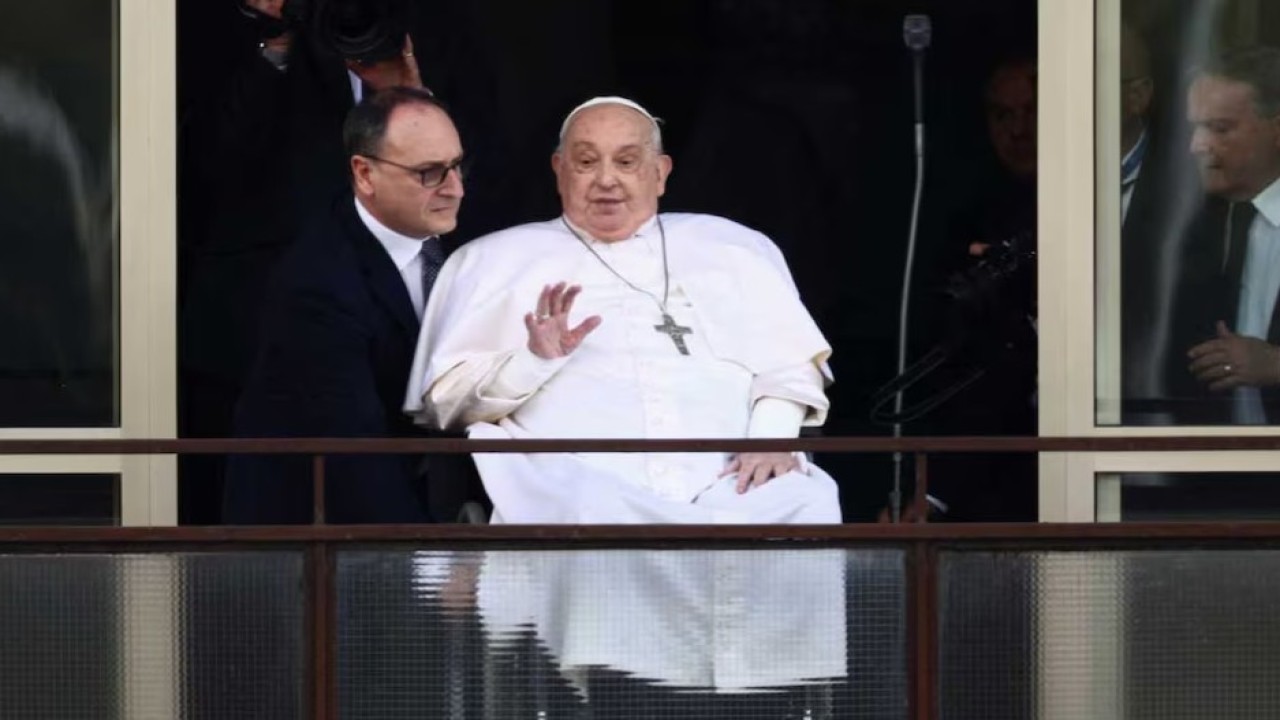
1238, 150
1135, 99
1136, 86
418, 137
608, 172
1011, 118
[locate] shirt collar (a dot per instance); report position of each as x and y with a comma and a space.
1131, 164
402, 248
1267, 203
647, 229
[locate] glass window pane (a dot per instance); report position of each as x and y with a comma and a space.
1152, 497
743, 634
58, 224
1188, 169
1168, 634
40, 499
202, 636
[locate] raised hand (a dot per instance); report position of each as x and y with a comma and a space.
401, 71
271, 8
549, 333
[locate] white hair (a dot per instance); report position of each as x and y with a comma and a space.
655, 139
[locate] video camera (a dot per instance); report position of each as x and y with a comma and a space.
978, 297
990, 310
366, 31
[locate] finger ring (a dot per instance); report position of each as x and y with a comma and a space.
1226, 367
543, 317
408, 54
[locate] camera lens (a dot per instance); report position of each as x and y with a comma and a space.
367, 31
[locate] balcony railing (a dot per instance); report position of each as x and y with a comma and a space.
465, 621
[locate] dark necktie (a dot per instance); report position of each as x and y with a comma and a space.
432, 254
1235, 238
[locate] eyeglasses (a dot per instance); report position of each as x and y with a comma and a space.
432, 175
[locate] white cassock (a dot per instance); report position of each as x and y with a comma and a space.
725, 621
756, 368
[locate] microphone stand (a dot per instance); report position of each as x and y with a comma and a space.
917, 56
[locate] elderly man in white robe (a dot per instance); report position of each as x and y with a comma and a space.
615, 321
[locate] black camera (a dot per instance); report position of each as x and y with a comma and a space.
366, 31
990, 317
1000, 286
998, 268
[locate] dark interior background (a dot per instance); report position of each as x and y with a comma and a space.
791, 116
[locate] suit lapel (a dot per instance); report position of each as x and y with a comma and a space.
383, 277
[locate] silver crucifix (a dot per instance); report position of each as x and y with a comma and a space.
675, 332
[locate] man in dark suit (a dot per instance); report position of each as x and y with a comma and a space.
985, 315
1227, 365
264, 99
342, 322
261, 153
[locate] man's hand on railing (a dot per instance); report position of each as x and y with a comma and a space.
912, 512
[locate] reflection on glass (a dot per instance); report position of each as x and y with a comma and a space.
155, 635
1199, 161
1156, 497
57, 214
606, 633
62, 499
724, 622
1144, 634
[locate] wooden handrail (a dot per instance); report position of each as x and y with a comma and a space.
589, 536
863, 444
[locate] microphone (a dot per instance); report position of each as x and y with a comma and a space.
917, 31
917, 34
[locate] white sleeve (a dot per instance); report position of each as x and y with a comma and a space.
521, 375
488, 388
801, 386
773, 417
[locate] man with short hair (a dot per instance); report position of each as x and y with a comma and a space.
986, 320
615, 321
340, 328
1234, 108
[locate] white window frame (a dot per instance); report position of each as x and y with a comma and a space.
1079, 214
146, 130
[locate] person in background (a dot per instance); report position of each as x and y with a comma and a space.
343, 316
1230, 371
985, 314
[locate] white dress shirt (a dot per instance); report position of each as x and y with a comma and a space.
357, 87
1130, 169
405, 252
1259, 286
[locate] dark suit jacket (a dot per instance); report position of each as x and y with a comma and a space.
336, 347
1209, 291
1155, 231
260, 158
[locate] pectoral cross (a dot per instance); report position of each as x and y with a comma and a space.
675, 332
